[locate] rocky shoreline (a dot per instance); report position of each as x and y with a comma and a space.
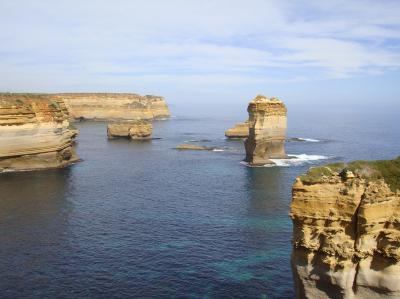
346, 219
36, 131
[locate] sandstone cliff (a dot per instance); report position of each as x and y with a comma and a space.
346, 231
114, 106
34, 133
240, 130
134, 130
267, 130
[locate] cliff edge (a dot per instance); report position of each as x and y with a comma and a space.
114, 106
346, 230
35, 133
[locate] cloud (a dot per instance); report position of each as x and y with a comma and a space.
62, 43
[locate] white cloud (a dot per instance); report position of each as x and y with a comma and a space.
232, 42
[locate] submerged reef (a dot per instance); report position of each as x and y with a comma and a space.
193, 147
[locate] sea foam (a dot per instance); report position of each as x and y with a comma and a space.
294, 160
309, 139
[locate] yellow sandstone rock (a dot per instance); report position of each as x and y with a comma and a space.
240, 130
187, 146
35, 133
134, 129
114, 106
267, 131
346, 231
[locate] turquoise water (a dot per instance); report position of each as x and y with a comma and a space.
140, 219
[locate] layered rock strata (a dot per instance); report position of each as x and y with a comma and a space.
267, 131
346, 231
114, 106
35, 133
240, 130
138, 130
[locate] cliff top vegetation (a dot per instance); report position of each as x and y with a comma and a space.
388, 170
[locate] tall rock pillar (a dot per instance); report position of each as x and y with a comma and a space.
267, 131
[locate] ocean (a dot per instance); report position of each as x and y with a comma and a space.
143, 220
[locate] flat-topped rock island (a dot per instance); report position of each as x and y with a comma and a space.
136, 130
239, 130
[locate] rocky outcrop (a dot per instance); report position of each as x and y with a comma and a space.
138, 130
240, 130
114, 106
267, 130
35, 133
187, 146
346, 231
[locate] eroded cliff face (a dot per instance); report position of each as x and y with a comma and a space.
240, 130
346, 231
35, 133
114, 106
267, 131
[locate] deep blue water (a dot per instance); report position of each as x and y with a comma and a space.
140, 219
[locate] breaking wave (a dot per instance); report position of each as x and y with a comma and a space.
302, 139
294, 160
309, 140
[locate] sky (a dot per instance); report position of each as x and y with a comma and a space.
204, 51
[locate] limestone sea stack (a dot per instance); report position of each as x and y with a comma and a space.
267, 131
35, 133
138, 130
346, 231
114, 106
240, 130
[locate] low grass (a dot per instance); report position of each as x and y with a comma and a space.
72, 126
55, 105
315, 174
389, 170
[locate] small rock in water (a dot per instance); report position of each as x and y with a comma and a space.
240, 130
186, 146
138, 130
